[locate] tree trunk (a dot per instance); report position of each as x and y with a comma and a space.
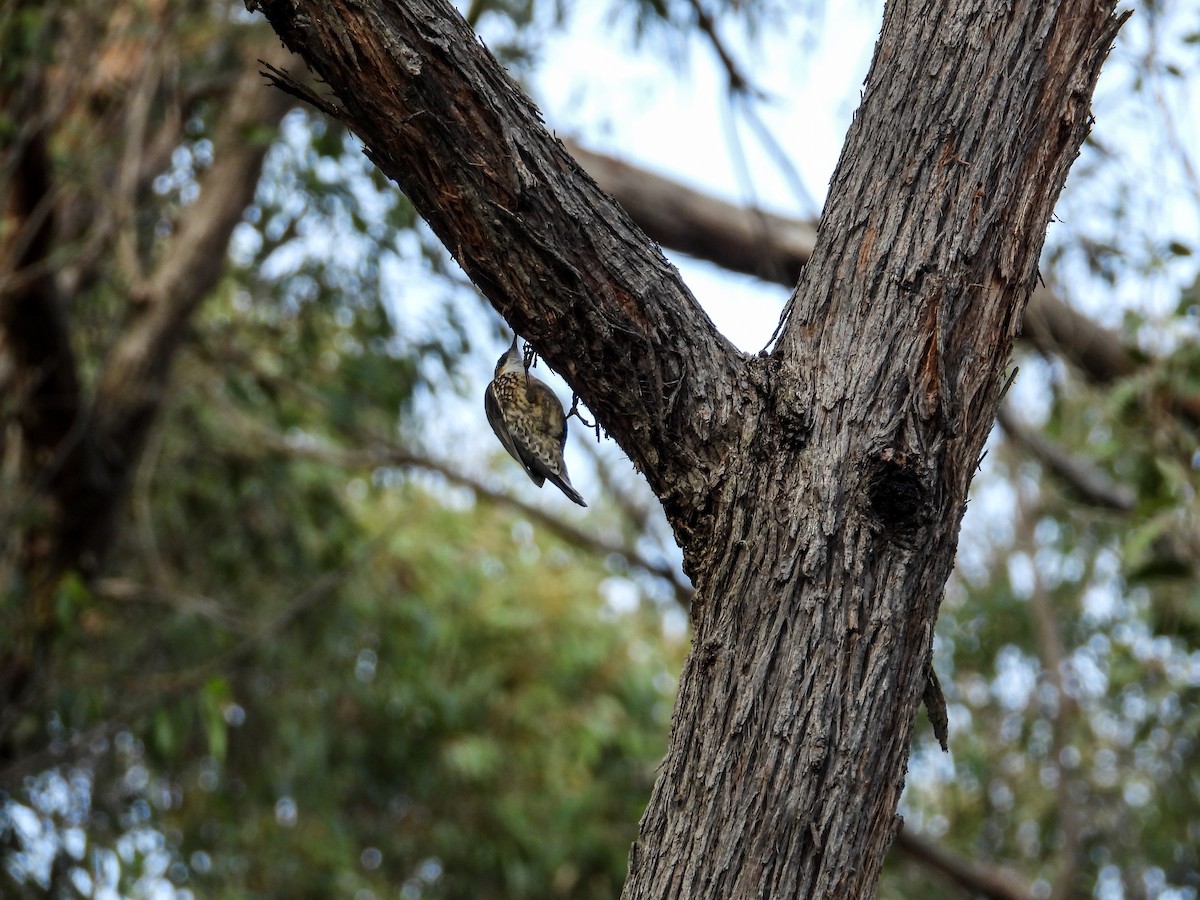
817, 490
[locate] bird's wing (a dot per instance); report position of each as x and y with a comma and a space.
552, 410
554, 419
495, 417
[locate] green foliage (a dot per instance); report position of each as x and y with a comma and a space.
335, 686
458, 709
1073, 690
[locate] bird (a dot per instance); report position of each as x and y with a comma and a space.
529, 420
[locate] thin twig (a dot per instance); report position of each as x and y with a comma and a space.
377, 452
738, 82
382, 454
283, 80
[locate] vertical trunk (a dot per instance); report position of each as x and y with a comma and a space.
836, 531
813, 626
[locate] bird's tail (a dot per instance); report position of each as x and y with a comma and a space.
564, 485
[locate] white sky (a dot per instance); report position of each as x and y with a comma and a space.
673, 119
671, 116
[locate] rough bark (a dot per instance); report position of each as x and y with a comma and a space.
817, 492
776, 248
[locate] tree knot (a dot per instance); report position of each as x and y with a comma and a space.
895, 489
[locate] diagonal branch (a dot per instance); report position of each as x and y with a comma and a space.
766, 246
387, 454
505, 197
738, 82
825, 517
982, 880
1091, 484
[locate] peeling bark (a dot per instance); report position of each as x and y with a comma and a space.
817, 492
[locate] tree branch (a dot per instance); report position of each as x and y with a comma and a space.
733, 237
504, 197
825, 483
992, 882
738, 82
132, 382
1091, 484
385, 454
776, 249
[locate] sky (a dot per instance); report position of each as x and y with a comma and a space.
667, 112
671, 116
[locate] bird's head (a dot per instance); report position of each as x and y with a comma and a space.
511, 361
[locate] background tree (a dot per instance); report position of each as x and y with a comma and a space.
247, 561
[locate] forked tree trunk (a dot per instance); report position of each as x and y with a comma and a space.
817, 491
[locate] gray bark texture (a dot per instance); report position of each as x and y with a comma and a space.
816, 490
